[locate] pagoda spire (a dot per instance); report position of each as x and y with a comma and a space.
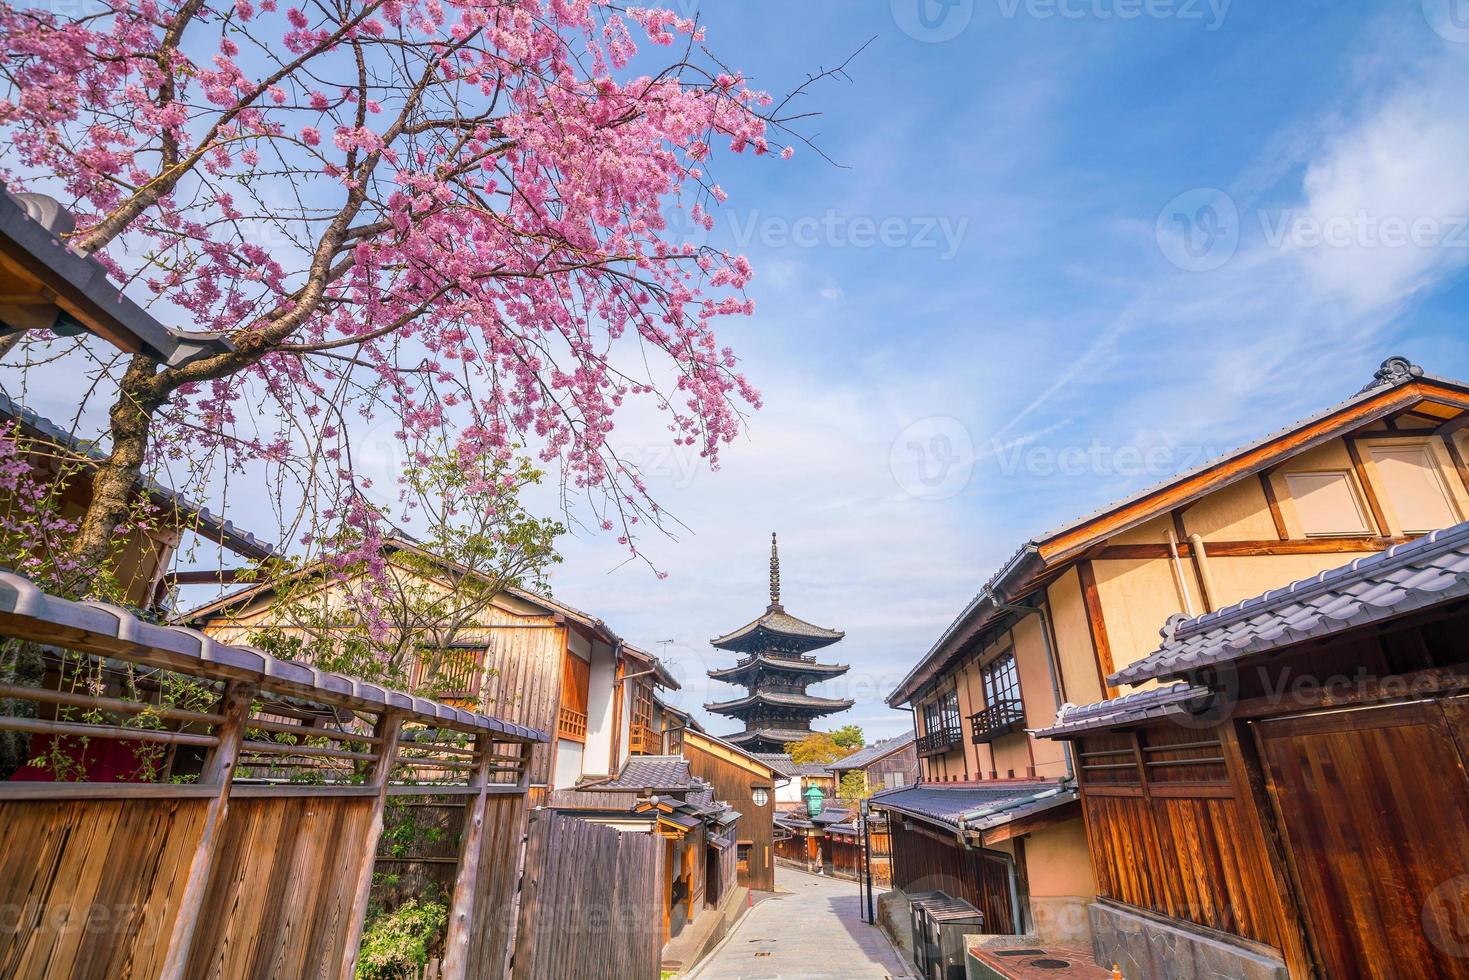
775, 671
774, 574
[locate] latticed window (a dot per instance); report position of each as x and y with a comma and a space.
642, 721
940, 723
1001, 681
1004, 711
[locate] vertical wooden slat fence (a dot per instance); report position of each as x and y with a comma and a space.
237, 840
592, 902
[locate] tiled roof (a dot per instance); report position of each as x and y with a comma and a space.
832, 815
795, 664
781, 735
31, 226
656, 772
783, 700
877, 750
781, 623
1156, 702
209, 525
1405, 578
996, 593
947, 805
98, 624
782, 763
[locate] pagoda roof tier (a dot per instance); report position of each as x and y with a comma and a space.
772, 736
777, 630
777, 663
779, 699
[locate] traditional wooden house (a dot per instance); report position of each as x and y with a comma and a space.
888, 764
142, 558
1291, 801
527, 658
997, 819
749, 785
660, 794
775, 672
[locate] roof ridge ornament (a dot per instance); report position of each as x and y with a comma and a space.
1394, 371
774, 575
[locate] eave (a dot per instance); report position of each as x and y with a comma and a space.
1046, 557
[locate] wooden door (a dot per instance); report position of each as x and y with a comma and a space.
1372, 805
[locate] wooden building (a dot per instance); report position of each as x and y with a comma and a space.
141, 559
529, 659
660, 795
1292, 801
748, 785
888, 764
1077, 605
775, 672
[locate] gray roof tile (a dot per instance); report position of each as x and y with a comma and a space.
1130, 708
873, 752
946, 805
657, 772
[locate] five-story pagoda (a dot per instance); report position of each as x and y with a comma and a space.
775, 672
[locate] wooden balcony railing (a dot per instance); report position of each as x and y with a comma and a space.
572, 725
642, 741
939, 740
1000, 718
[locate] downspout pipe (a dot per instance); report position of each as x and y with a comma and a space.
964, 841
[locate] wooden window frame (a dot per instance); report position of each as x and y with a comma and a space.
1439, 456
1361, 497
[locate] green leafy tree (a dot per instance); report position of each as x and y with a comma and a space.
373, 604
853, 786
849, 737
817, 747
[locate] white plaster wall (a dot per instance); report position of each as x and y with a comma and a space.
599, 712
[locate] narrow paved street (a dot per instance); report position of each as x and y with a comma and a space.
812, 930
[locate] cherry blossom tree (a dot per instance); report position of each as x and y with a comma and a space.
447, 217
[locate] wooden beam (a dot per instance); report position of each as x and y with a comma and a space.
1097, 624
215, 576
389, 727
1185, 491
1268, 485
1452, 445
1373, 504
1255, 549
218, 772
462, 910
1252, 803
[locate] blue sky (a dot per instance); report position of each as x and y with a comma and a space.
929, 407
1066, 248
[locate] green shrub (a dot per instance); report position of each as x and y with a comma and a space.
397, 945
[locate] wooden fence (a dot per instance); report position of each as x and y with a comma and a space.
592, 903
191, 809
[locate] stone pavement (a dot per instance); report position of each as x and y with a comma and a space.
810, 929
